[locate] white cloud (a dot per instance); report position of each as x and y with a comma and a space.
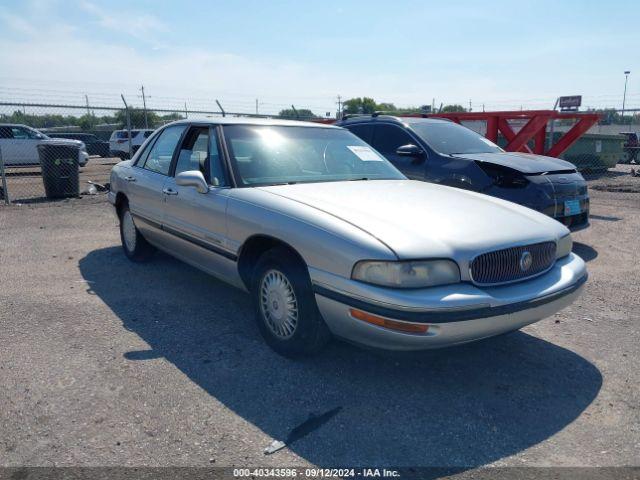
141, 25
17, 24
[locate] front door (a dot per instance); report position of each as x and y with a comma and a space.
197, 221
387, 139
22, 147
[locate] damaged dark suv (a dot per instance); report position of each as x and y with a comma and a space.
441, 151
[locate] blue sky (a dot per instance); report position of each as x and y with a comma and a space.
504, 54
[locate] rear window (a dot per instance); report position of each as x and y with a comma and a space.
122, 134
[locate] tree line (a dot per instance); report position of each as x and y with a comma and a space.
90, 121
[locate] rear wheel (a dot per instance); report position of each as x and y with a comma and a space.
285, 305
135, 247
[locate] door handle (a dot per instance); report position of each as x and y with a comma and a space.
130, 179
169, 191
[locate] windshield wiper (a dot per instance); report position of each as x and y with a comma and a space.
359, 179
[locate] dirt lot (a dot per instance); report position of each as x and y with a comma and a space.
105, 362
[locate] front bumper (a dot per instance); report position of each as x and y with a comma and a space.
455, 313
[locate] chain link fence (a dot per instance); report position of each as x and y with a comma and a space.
37, 163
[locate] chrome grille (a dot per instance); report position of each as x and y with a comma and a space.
504, 266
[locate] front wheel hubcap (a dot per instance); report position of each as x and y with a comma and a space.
278, 304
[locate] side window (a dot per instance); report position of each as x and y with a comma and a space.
20, 133
194, 151
160, 155
144, 153
388, 138
5, 132
365, 132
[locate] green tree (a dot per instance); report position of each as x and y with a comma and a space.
386, 107
453, 108
359, 105
137, 118
301, 113
87, 122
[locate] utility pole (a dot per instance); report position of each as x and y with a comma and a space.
86, 98
339, 102
469, 104
144, 106
624, 96
256, 106
186, 113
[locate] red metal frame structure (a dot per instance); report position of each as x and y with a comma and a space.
534, 129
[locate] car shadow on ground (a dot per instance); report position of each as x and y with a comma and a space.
584, 251
459, 407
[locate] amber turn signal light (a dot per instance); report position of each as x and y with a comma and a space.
390, 324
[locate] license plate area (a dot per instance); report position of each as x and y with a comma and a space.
572, 207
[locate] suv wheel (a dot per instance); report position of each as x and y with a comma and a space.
285, 305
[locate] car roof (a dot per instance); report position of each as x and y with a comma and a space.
250, 121
390, 118
135, 130
14, 125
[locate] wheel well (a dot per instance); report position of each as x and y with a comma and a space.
121, 201
251, 251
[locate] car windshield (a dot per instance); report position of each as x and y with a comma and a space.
268, 155
450, 138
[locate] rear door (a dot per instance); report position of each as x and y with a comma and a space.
146, 179
387, 138
7, 145
23, 147
197, 221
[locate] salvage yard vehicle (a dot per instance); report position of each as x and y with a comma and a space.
329, 238
19, 145
119, 142
94, 145
441, 151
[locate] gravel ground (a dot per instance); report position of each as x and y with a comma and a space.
105, 362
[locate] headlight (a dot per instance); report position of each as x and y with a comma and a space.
415, 274
565, 244
504, 177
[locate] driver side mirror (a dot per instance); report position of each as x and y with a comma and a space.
193, 178
410, 151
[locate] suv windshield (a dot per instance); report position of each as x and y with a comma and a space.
450, 138
268, 155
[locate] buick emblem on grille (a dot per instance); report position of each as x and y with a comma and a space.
526, 260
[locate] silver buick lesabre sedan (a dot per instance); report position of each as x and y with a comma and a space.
329, 238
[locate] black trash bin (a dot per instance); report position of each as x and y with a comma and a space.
60, 169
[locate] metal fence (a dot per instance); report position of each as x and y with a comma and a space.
103, 136
607, 155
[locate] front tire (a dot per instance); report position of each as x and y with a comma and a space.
135, 246
285, 306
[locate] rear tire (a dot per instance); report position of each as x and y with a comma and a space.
285, 305
135, 246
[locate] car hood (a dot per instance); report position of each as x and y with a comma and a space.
526, 163
417, 219
64, 140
